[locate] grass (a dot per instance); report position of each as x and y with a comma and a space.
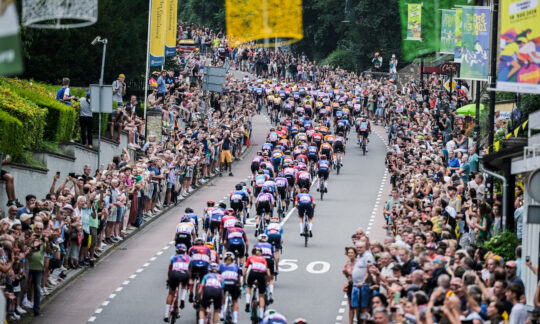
27, 159
50, 147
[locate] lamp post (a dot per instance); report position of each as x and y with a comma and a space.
96, 40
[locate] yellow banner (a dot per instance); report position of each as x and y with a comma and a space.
157, 33
414, 21
254, 20
496, 145
171, 28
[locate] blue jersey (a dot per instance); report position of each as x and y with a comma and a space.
312, 150
214, 280
238, 196
268, 147
217, 214
230, 273
193, 218
281, 182
274, 229
200, 256
324, 165
267, 249
304, 199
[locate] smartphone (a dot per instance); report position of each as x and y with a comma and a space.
393, 309
72, 174
58, 173
528, 258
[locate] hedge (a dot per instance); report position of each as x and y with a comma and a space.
31, 116
61, 119
12, 135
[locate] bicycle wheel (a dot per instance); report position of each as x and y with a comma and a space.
254, 305
306, 231
363, 148
321, 188
173, 314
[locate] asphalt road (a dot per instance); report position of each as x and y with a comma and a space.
128, 286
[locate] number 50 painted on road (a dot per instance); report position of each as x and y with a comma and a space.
315, 267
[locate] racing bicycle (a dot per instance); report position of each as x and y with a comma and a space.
321, 188
174, 313
228, 308
254, 307
306, 226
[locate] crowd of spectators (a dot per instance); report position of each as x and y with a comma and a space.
428, 264
85, 213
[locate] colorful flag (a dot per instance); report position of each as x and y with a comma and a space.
254, 20
519, 52
458, 35
475, 44
157, 33
10, 41
171, 28
448, 31
414, 21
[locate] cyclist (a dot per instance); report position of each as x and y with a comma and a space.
260, 179
178, 274
326, 149
215, 220
281, 184
273, 317
236, 241
303, 178
363, 129
255, 163
305, 205
274, 231
200, 258
206, 216
213, 253
268, 253
300, 321
193, 218
277, 158
250, 197
264, 205
323, 167
211, 292
290, 174
267, 147
238, 200
185, 232
256, 270
231, 274
339, 147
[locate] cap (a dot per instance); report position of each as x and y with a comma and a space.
121, 75
511, 264
25, 217
68, 206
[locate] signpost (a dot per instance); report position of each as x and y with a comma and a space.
214, 78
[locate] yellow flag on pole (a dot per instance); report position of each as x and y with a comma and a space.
171, 27
157, 33
496, 145
516, 131
253, 20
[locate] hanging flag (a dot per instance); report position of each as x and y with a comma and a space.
516, 131
458, 35
448, 31
496, 145
519, 52
414, 22
254, 20
10, 41
475, 44
157, 33
171, 28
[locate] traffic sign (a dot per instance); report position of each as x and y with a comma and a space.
447, 85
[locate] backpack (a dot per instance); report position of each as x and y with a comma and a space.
60, 94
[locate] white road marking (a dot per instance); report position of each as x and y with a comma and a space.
344, 303
139, 270
287, 216
105, 303
146, 264
125, 282
341, 310
290, 265
171, 242
132, 276
159, 253
91, 319
111, 296
152, 258
119, 289
98, 311
325, 266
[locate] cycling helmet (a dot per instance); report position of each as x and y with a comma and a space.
260, 172
213, 267
323, 157
222, 205
230, 211
300, 321
269, 312
263, 238
239, 224
255, 250
228, 255
265, 153
181, 248
243, 183
263, 166
210, 203
185, 219
188, 210
274, 219
305, 190
238, 187
281, 174
265, 189
198, 241
210, 245
303, 168
302, 129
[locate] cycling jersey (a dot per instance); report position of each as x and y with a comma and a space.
267, 249
236, 235
274, 229
304, 199
194, 219
213, 280
312, 150
256, 263
217, 214
323, 165
200, 256
363, 126
260, 179
228, 222
239, 196
265, 197
268, 146
180, 263
303, 175
281, 182
230, 273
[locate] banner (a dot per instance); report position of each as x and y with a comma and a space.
171, 28
157, 33
475, 44
10, 42
414, 21
519, 52
277, 21
448, 30
458, 35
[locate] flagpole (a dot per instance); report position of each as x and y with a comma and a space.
146, 70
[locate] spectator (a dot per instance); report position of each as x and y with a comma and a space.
10, 183
64, 95
86, 120
119, 89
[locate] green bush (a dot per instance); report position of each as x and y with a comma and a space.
12, 135
503, 245
31, 116
61, 119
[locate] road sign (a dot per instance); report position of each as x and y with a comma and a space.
214, 78
101, 98
447, 85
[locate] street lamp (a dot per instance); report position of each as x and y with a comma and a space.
97, 40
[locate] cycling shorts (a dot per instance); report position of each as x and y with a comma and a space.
275, 240
234, 290
263, 207
214, 225
323, 174
178, 277
282, 192
270, 264
254, 167
305, 210
239, 250
237, 206
290, 179
338, 147
326, 152
211, 295
303, 183
199, 272
363, 134
183, 238
313, 158
260, 278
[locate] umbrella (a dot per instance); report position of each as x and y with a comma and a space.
469, 110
